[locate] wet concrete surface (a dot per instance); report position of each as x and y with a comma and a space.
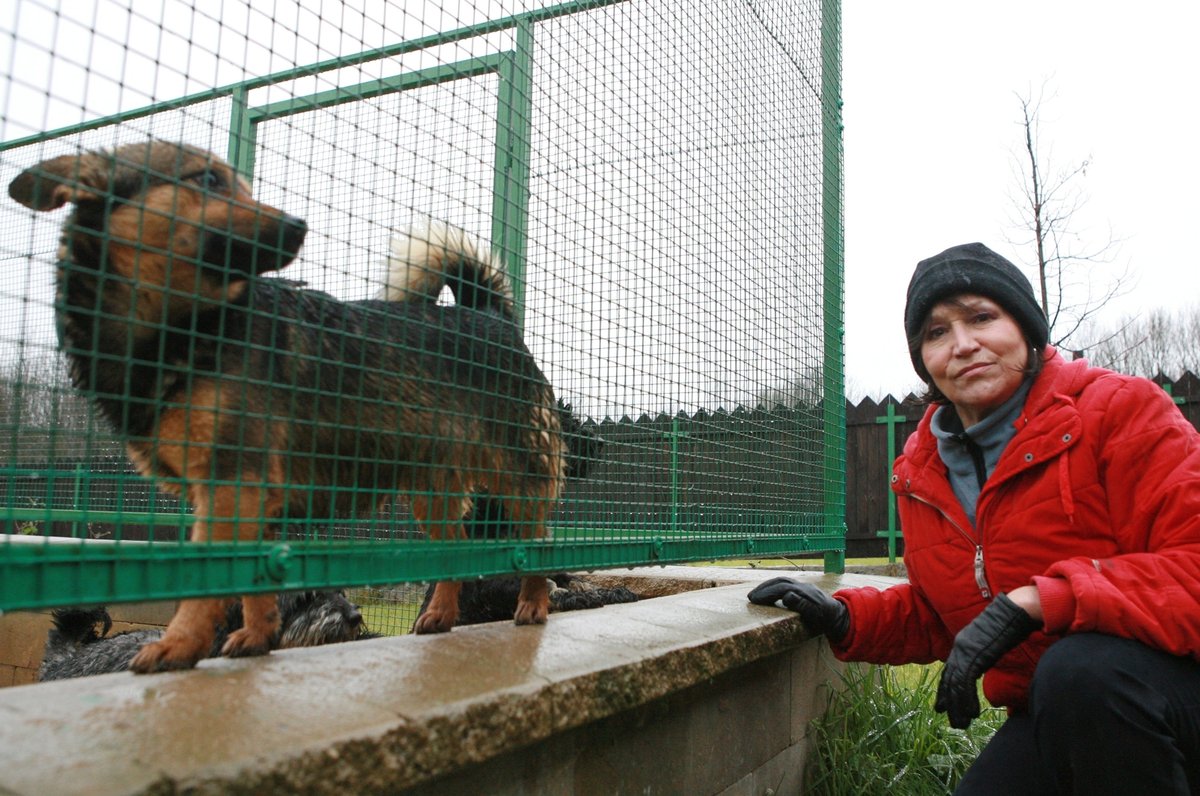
379, 715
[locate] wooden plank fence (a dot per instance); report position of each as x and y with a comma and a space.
871, 425
747, 469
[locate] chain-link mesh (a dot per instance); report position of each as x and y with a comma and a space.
660, 181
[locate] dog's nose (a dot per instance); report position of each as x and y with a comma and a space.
294, 230
295, 225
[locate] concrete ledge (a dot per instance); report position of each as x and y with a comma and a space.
388, 714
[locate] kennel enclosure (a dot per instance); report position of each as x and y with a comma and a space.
661, 180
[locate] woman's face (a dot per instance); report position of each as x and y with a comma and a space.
976, 354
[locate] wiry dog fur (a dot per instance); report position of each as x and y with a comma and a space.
79, 645
493, 599
255, 399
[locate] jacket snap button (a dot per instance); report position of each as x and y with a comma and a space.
1066, 437
895, 478
1029, 457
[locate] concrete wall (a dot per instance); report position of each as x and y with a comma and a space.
697, 692
738, 734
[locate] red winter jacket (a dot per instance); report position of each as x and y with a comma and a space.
1096, 500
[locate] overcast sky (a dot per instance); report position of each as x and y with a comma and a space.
932, 125
656, 153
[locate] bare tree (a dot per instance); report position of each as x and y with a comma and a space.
1071, 280
803, 390
1157, 342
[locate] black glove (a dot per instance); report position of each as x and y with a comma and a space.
820, 613
977, 647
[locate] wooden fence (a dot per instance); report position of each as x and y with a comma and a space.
748, 469
875, 434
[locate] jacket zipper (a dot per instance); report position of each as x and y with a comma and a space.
980, 573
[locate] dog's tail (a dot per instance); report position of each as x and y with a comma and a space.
428, 257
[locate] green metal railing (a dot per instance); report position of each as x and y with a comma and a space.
38, 570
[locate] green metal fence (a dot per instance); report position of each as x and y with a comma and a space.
661, 180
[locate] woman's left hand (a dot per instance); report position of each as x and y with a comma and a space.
1003, 625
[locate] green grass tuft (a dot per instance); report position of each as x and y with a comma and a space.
882, 736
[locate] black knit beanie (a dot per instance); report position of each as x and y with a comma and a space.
971, 268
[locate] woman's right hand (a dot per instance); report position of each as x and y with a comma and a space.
820, 613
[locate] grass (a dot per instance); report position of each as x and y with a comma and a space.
388, 619
881, 735
392, 612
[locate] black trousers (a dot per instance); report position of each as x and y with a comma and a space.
1106, 716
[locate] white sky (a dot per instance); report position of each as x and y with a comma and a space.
932, 127
932, 130
656, 155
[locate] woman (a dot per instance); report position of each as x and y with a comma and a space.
1051, 518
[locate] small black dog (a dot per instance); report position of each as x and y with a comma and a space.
493, 599
75, 648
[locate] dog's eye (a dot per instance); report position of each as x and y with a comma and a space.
209, 180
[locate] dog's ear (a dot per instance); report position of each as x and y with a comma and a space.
70, 178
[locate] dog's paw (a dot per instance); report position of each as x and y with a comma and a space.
165, 656
246, 643
434, 622
533, 612
533, 603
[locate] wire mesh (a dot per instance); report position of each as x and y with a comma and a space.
659, 180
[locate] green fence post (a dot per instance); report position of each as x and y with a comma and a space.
892, 532
510, 186
834, 458
1169, 389
243, 133
676, 434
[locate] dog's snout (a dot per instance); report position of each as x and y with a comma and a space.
294, 231
295, 223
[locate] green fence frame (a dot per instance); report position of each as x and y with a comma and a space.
39, 571
832, 369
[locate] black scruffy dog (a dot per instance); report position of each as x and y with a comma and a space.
76, 648
493, 599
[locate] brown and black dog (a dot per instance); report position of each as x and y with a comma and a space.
255, 399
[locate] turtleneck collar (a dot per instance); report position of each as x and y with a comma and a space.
970, 454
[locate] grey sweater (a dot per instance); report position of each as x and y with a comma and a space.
971, 454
